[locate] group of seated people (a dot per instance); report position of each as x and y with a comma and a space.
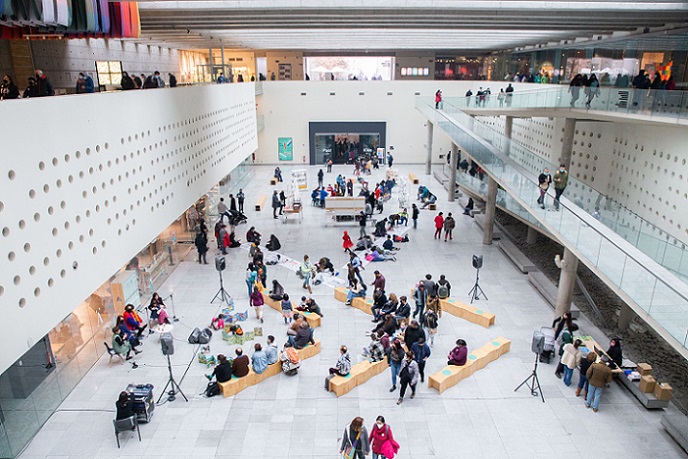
127, 332
425, 196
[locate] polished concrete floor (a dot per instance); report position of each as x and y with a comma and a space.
294, 417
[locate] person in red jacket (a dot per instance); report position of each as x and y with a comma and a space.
439, 224
348, 243
381, 440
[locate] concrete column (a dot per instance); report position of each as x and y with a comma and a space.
222, 56
211, 60
567, 144
508, 126
453, 163
531, 237
626, 316
490, 208
428, 161
567, 281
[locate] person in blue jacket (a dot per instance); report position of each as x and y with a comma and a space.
84, 84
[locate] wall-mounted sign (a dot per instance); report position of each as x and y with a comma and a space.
285, 149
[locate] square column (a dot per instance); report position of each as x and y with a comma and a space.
428, 161
567, 281
490, 208
453, 164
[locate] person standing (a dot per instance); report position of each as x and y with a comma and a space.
240, 200
439, 224
275, 204
379, 282
172, 79
347, 243
421, 352
321, 174
566, 338
256, 301
390, 160
84, 84
544, 180
571, 359
414, 215
419, 298
430, 321
157, 80
438, 98
583, 376
561, 179
395, 356
599, 375
449, 225
329, 166
8, 90
362, 224
408, 376
574, 88
355, 442
509, 94
43, 86
356, 266
382, 441
201, 243
232, 203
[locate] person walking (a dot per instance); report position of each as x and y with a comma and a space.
256, 301
430, 322
240, 200
395, 356
449, 224
321, 174
421, 352
201, 243
544, 181
571, 359
347, 244
414, 215
438, 98
419, 298
382, 441
599, 375
561, 179
408, 376
355, 442
439, 225
276, 204
362, 224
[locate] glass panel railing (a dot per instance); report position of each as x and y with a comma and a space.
669, 106
656, 291
647, 237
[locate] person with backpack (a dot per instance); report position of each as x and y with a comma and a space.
341, 368
256, 301
443, 287
355, 443
382, 441
430, 322
290, 360
449, 224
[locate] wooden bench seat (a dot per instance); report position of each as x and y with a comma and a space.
360, 373
413, 178
314, 320
236, 385
467, 312
364, 304
260, 202
477, 360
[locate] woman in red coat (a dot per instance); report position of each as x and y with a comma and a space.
382, 441
347, 244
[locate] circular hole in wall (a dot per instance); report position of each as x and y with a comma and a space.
63, 273
11, 175
51, 282
32, 270
22, 302
27, 247
11, 256
17, 280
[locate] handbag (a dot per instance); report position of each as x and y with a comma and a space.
350, 450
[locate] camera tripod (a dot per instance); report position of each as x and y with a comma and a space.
222, 293
476, 291
171, 395
533, 383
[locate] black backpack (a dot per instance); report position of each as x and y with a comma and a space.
212, 389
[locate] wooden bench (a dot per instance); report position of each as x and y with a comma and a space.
236, 385
273, 181
364, 304
467, 312
548, 290
260, 202
477, 360
516, 256
360, 373
413, 178
314, 320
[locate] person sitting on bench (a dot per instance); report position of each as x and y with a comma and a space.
431, 200
458, 355
309, 305
356, 290
223, 370
303, 337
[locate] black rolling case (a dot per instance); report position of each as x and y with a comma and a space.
143, 401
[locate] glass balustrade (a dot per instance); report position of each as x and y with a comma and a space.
662, 296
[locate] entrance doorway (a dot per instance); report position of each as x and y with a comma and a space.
344, 142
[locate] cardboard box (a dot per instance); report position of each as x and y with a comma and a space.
644, 369
663, 391
647, 384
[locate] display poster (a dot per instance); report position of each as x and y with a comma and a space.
285, 149
300, 177
381, 153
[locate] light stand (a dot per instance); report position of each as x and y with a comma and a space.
174, 312
171, 395
222, 293
476, 291
533, 383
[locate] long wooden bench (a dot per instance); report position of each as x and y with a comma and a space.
260, 202
360, 373
364, 304
522, 262
413, 178
236, 385
314, 320
467, 312
477, 360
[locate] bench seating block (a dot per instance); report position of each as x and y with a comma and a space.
314, 320
260, 202
360, 373
477, 360
340, 294
236, 385
273, 181
468, 312
364, 304
413, 178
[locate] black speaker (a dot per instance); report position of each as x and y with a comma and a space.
220, 263
477, 261
167, 343
538, 342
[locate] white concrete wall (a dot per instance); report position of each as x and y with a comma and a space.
89, 180
287, 113
62, 60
